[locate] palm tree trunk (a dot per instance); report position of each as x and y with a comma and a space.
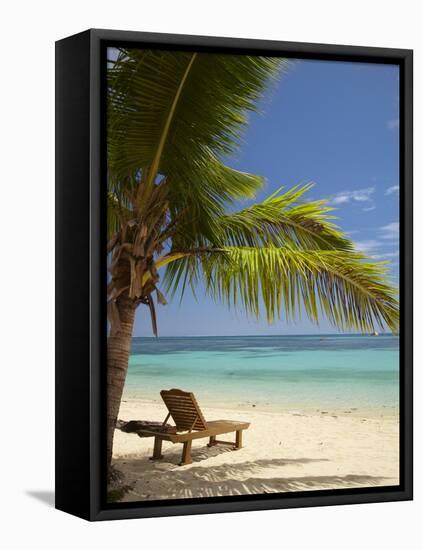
118, 349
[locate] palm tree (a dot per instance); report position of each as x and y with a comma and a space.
172, 116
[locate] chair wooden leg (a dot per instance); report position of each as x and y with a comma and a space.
186, 453
212, 441
238, 439
157, 452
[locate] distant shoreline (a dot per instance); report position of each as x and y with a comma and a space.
311, 335
298, 409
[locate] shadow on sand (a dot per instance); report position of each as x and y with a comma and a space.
154, 480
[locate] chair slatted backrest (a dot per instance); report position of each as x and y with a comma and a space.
184, 410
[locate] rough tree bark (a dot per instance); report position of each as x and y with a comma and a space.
118, 348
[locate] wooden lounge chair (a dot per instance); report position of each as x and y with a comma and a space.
190, 424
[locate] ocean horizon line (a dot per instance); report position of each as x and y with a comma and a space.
317, 335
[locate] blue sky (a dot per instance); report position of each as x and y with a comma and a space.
332, 123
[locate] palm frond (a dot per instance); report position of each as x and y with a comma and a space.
174, 114
282, 219
351, 291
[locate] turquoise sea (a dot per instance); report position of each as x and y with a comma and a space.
286, 372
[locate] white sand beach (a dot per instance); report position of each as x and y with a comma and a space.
295, 450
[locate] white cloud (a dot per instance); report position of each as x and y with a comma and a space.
359, 195
368, 247
392, 189
393, 123
384, 246
369, 208
389, 231
387, 255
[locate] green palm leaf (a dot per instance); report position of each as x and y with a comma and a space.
351, 291
283, 219
174, 114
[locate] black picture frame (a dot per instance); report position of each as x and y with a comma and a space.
80, 276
